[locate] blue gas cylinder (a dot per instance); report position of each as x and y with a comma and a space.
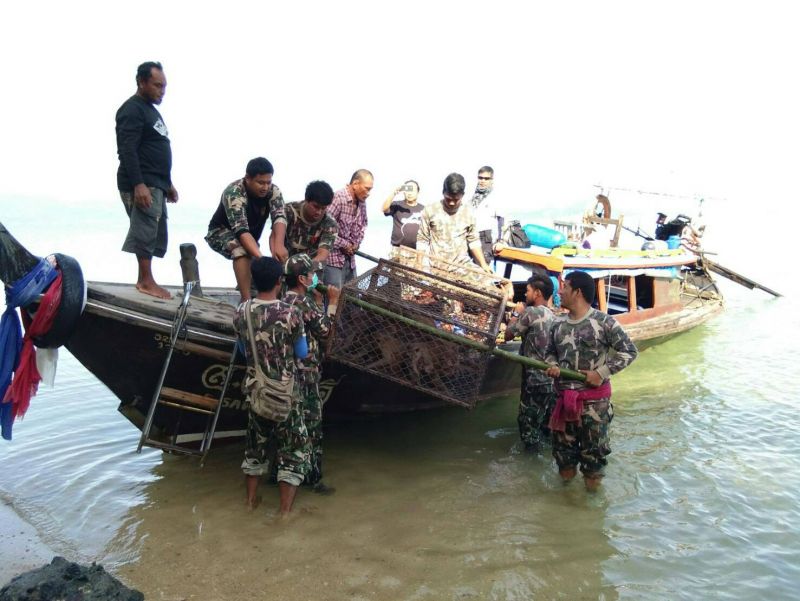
543, 236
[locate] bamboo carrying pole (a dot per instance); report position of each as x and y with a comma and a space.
567, 374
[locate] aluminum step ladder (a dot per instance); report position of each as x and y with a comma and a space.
182, 400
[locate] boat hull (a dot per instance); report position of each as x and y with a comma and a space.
125, 349
126, 352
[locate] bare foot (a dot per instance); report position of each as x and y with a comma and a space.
251, 504
568, 474
284, 516
592, 483
154, 290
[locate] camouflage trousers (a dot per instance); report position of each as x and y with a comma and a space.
225, 243
536, 402
585, 443
289, 440
312, 416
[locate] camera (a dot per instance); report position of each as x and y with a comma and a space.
407, 188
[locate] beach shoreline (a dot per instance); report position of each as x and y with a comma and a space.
21, 547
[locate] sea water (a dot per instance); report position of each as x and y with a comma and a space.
700, 499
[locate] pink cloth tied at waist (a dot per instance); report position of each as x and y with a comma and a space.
569, 405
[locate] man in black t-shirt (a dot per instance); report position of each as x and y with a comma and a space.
243, 210
144, 175
406, 214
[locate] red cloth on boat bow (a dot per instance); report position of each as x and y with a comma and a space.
569, 405
26, 377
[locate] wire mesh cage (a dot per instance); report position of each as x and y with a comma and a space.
422, 322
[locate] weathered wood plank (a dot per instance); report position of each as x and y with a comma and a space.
189, 398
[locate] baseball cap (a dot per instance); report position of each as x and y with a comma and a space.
299, 265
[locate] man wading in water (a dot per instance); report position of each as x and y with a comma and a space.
583, 411
532, 320
280, 340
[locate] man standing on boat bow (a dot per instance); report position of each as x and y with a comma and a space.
144, 176
594, 344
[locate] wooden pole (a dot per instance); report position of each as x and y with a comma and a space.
736, 277
190, 268
601, 295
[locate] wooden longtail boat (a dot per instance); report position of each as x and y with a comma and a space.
123, 338
654, 295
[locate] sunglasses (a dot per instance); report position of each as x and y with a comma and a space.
484, 177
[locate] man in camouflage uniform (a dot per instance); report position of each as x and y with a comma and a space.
301, 282
280, 342
532, 321
309, 229
447, 229
237, 224
594, 344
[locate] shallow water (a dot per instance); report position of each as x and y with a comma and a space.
700, 500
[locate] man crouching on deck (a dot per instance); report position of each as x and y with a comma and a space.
237, 224
594, 344
279, 340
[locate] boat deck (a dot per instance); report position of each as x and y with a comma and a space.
213, 311
608, 259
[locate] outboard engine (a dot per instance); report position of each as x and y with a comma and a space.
665, 229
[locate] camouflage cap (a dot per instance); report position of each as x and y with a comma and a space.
299, 265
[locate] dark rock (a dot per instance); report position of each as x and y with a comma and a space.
64, 580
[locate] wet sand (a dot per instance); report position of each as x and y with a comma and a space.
21, 547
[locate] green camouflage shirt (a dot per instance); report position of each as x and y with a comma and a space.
245, 214
317, 325
534, 326
595, 342
445, 236
276, 326
304, 237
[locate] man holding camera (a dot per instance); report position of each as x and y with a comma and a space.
406, 214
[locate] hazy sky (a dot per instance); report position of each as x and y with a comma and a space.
687, 98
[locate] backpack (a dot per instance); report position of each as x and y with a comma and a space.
515, 236
268, 398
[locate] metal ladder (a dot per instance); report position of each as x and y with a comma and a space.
182, 400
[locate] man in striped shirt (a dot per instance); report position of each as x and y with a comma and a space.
349, 210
